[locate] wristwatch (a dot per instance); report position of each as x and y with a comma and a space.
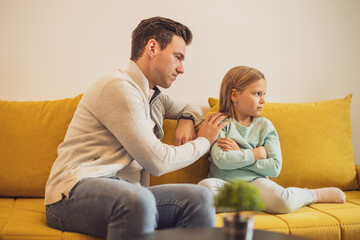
187, 116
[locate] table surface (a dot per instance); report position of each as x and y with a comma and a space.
208, 234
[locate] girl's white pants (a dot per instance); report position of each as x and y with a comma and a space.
276, 198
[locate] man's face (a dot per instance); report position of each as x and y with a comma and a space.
168, 63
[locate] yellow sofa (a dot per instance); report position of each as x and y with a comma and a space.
316, 146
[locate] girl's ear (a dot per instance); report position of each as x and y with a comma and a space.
234, 95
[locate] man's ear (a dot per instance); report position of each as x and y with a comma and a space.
234, 95
150, 48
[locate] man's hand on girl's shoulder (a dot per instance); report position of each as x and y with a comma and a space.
212, 125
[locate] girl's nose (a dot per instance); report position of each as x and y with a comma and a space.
262, 100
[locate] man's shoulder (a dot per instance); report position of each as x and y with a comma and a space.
116, 80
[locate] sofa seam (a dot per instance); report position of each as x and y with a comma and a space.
337, 219
286, 223
10, 218
349, 201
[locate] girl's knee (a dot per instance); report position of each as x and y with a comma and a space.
281, 205
213, 184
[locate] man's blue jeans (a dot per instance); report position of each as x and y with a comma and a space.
115, 209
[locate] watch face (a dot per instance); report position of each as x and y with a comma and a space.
187, 116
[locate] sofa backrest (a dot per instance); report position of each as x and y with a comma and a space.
30, 134
315, 139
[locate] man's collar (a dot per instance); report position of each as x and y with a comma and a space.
139, 78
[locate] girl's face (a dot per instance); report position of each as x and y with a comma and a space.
249, 102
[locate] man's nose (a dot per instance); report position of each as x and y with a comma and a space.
180, 69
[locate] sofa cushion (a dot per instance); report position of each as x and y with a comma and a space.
316, 221
24, 218
316, 142
30, 134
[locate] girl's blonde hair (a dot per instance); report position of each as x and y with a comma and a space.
238, 78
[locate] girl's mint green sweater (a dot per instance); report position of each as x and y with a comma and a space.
240, 164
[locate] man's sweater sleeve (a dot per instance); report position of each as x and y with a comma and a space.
173, 109
122, 110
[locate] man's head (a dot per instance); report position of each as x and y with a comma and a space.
158, 47
160, 29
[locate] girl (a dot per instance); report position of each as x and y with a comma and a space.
248, 148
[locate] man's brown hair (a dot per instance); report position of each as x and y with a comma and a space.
158, 28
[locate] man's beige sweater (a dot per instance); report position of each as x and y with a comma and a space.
116, 132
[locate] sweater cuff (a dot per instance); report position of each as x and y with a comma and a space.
249, 155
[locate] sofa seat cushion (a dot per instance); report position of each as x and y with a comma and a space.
30, 134
316, 221
24, 218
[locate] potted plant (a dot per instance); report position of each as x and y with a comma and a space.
238, 196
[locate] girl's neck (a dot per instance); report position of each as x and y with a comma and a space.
244, 120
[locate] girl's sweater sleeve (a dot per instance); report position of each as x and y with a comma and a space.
229, 160
272, 165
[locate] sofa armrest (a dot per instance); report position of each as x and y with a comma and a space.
357, 168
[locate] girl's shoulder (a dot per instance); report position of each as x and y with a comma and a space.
264, 122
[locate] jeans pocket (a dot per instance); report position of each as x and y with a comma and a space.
53, 220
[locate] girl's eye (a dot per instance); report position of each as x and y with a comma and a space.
257, 94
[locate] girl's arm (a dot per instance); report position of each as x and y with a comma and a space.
230, 158
271, 165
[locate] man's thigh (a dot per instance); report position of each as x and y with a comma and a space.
92, 203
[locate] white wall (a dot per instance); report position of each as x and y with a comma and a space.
309, 50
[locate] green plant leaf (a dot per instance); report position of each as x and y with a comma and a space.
238, 196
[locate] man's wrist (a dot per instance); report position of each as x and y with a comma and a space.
186, 116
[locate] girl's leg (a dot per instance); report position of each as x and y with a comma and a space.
283, 200
329, 195
212, 183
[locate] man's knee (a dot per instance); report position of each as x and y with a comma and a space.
139, 200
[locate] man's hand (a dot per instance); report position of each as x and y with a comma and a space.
227, 144
185, 131
212, 125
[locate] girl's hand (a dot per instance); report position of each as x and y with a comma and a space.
259, 153
227, 144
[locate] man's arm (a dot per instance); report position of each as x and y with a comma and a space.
185, 130
122, 110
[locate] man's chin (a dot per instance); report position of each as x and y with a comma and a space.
167, 85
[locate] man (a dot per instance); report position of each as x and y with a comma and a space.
98, 183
